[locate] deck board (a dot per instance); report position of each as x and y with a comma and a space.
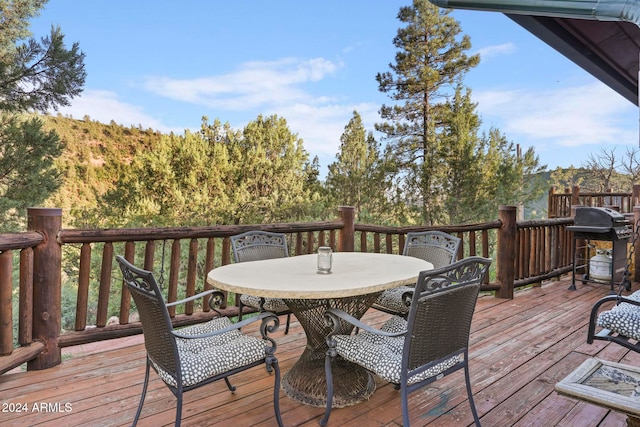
519, 349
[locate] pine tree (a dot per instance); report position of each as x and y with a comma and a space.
461, 152
431, 60
357, 177
34, 76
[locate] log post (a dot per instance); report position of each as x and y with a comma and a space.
552, 211
635, 195
636, 253
575, 195
346, 239
6, 308
505, 270
47, 265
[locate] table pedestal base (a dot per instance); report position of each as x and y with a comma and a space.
305, 382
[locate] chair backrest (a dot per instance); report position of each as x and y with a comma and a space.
437, 247
259, 245
156, 323
441, 310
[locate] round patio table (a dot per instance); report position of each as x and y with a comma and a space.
355, 282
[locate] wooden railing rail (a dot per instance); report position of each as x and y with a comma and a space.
475, 239
560, 204
523, 252
206, 248
544, 250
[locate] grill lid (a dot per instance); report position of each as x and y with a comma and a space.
597, 217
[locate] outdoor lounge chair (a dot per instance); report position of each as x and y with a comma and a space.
437, 247
620, 324
255, 246
432, 343
200, 354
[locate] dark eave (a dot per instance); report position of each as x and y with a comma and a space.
609, 50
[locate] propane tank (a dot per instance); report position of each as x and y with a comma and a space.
600, 266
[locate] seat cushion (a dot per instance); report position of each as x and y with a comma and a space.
623, 318
203, 358
391, 299
275, 305
383, 355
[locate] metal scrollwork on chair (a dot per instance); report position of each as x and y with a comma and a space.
437, 247
255, 246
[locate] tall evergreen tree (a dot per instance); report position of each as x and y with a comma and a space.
34, 76
357, 177
508, 176
430, 61
461, 153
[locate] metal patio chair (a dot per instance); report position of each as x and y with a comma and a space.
255, 246
430, 344
196, 355
437, 247
619, 324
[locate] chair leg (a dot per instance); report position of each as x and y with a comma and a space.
329, 378
470, 394
179, 407
273, 363
229, 386
240, 305
144, 393
286, 328
404, 396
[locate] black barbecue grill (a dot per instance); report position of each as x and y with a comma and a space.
599, 224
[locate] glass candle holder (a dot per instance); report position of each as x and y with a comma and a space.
324, 260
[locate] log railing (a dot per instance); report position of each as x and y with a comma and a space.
524, 253
560, 204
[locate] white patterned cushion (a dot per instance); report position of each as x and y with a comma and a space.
275, 305
202, 358
623, 318
383, 355
392, 299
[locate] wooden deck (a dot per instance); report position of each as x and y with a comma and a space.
519, 349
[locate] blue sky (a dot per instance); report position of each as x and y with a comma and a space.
165, 64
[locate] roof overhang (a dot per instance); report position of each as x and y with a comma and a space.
602, 37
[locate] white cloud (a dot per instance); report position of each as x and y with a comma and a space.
253, 85
496, 50
321, 126
570, 117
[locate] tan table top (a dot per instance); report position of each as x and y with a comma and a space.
353, 273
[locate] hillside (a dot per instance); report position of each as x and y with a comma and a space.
93, 155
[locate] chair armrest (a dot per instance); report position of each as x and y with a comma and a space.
596, 309
265, 328
191, 298
335, 318
407, 296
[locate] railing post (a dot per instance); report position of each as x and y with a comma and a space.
6, 308
47, 262
506, 265
636, 254
635, 195
551, 203
575, 195
347, 236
